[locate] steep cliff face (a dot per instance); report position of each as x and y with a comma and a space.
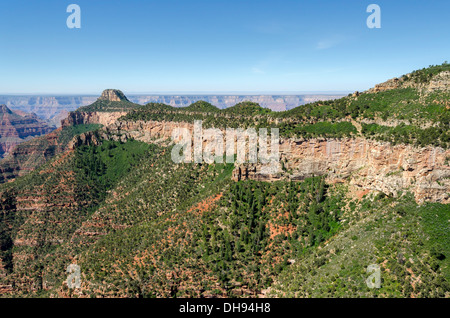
103, 118
426, 83
29, 155
16, 127
146, 131
365, 164
440, 82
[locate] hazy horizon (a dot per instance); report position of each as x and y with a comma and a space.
169, 93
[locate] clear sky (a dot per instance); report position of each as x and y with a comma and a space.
216, 45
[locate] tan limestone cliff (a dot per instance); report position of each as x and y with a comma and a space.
103, 118
366, 165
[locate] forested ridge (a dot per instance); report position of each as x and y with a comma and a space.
406, 114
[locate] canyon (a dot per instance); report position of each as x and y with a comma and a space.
17, 127
105, 184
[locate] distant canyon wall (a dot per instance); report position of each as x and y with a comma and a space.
274, 102
49, 107
46, 107
17, 127
27, 156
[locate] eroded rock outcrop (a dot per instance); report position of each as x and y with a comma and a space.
113, 95
103, 118
367, 165
440, 81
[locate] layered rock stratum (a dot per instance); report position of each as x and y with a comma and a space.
366, 165
113, 95
17, 126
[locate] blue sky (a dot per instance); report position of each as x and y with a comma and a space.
216, 46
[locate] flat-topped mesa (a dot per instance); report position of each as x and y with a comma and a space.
113, 95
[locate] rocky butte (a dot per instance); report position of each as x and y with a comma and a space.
113, 95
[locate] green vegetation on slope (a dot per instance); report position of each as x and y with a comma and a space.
108, 106
67, 190
201, 106
109, 162
233, 247
408, 242
425, 74
242, 115
258, 227
114, 184
141, 226
67, 133
435, 136
320, 129
33, 153
247, 109
407, 114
